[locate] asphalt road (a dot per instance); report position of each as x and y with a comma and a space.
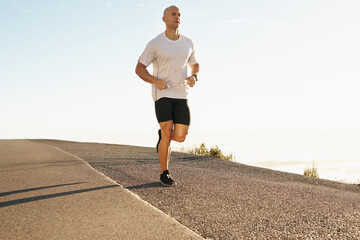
46, 193
219, 199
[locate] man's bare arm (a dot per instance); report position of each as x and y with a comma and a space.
194, 70
143, 73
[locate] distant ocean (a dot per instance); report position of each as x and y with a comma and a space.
335, 155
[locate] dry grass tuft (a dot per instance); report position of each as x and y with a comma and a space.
202, 150
311, 172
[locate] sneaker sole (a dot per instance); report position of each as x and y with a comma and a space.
168, 185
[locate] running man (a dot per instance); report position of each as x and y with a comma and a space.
170, 53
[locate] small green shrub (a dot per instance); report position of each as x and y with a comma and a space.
202, 150
213, 152
311, 172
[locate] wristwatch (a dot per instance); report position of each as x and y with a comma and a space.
195, 76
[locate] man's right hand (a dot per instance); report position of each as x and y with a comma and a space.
161, 85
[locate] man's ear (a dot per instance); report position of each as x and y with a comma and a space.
163, 18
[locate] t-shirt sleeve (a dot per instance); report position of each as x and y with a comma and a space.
192, 59
148, 56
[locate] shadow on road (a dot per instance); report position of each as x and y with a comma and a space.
32, 199
38, 188
146, 185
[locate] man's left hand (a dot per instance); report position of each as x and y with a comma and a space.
191, 81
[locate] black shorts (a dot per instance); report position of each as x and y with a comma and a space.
173, 109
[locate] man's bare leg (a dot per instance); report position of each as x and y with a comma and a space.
180, 132
164, 146
170, 131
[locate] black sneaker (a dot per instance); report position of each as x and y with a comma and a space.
166, 179
158, 143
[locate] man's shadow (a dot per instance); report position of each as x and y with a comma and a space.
146, 185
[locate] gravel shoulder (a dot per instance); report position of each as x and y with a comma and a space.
219, 199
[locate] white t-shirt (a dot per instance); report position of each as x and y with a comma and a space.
170, 59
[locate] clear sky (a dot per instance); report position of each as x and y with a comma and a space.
67, 67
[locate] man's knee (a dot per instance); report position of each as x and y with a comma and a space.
180, 137
166, 133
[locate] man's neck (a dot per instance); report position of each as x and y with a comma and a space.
172, 34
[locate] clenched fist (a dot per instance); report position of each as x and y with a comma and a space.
191, 81
161, 85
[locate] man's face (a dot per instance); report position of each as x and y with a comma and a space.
172, 17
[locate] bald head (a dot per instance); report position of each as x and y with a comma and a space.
170, 9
